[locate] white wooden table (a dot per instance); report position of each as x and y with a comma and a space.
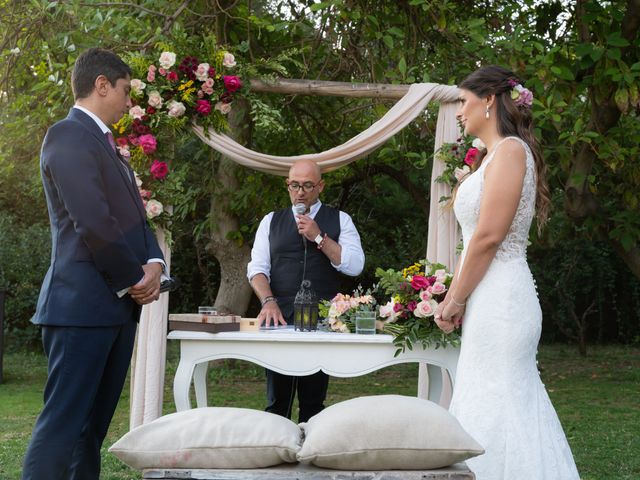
300, 353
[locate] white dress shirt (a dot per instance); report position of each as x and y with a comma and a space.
106, 130
351, 257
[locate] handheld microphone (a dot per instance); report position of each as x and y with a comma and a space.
299, 208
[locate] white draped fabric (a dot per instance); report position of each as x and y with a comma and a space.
147, 379
399, 116
149, 354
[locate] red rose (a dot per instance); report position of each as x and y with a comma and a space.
148, 143
159, 169
172, 76
232, 83
418, 282
203, 107
150, 110
122, 141
471, 156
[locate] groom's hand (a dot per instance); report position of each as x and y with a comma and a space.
147, 290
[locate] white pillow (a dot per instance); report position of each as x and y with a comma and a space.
385, 432
212, 437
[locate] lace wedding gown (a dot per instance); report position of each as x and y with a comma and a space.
498, 395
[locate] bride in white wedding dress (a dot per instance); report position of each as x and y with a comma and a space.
498, 395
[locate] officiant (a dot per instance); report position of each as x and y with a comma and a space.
331, 244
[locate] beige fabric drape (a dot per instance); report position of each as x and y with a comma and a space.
443, 233
149, 356
399, 116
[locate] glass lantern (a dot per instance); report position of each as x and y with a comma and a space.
305, 308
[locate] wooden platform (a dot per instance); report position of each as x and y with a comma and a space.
459, 471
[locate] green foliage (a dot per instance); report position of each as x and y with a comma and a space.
579, 58
24, 258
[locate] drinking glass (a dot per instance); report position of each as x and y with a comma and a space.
366, 323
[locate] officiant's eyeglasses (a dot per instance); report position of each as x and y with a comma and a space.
307, 186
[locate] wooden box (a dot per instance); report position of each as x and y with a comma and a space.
195, 322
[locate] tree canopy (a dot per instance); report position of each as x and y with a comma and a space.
579, 57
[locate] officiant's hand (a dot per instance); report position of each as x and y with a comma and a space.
308, 227
271, 315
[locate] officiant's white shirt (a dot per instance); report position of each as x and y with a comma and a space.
351, 257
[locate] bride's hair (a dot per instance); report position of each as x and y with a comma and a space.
514, 119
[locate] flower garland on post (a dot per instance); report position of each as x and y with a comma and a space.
168, 95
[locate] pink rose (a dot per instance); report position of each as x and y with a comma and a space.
153, 208
425, 295
208, 82
418, 282
137, 86
387, 311
223, 108
151, 73
167, 60
175, 109
136, 111
145, 194
124, 152
437, 288
159, 169
202, 72
148, 143
203, 107
162, 71
471, 156
425, 309
232, 83
155, 99
228, 60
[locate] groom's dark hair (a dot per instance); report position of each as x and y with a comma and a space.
93, 63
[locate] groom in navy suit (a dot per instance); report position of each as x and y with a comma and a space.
105, 264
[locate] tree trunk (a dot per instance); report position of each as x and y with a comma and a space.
235, 292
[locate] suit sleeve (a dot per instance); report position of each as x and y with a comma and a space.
73, 163
152, 243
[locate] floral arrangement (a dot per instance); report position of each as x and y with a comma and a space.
410, 298
168, 93
413, 296
340, 312
520, 95
458, 159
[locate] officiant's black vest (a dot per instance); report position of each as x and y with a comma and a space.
287, 257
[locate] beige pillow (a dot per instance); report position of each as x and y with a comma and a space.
212, 437
385, 432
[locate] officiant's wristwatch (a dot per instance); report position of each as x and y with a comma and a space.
318, 238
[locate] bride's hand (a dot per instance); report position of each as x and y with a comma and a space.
450, 317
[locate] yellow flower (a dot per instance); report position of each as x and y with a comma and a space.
185, 85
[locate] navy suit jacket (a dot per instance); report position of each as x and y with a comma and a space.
100, 236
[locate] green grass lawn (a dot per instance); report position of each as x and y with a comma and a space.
597, 399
